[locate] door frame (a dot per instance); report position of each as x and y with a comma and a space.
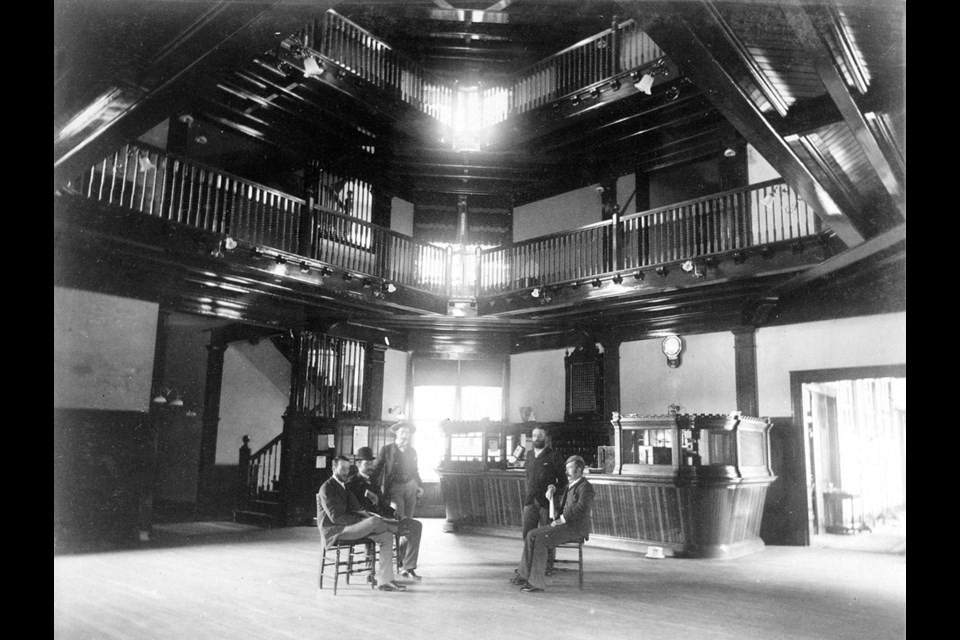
797, 380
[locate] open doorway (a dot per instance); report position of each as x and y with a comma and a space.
854, 421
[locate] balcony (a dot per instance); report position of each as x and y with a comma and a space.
141, 196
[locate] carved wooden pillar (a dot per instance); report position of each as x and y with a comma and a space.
299, 444
207, 490
373, 380
611, 379
745, 366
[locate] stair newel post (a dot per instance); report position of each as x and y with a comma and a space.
243, 473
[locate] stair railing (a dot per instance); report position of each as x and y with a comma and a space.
260, 471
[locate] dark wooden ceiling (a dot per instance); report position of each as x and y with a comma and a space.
818, 88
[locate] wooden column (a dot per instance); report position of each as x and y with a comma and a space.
207, 490
733, 170
641, 198
299, 446
149, 437
611, 379
745, 364
373, 380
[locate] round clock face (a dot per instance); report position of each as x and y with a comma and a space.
672, 346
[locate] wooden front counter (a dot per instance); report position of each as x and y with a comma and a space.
704, 501
697, 518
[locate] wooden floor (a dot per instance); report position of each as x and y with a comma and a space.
229, 581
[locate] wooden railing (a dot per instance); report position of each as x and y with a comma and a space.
358, 51
159, 184
366, 248
583, 65
260, 471
579, 67
759, 214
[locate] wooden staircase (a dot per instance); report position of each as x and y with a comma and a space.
259, 499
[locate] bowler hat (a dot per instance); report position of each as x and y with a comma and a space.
400, 425
364, 453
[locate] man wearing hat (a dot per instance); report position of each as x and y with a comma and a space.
397, 471
572, 524
368, 493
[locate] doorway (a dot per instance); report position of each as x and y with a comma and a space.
854, 452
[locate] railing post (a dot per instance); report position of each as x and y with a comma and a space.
243, 473
448, 272
479, 273
617, 232
615, 46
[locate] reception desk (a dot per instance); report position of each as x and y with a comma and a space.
694, 485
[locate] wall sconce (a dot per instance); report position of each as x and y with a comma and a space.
739, 257
388, 287
692, 268
168, 396
229, 243
672, 94
304, 267
597, 283
535, 293
617, 279
662, 271
615, 85
638, 275
729, 152
311, 68
672, 347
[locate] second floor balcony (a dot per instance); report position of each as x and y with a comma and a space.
755, 231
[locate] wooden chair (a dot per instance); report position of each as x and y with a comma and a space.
573, 544
349, 557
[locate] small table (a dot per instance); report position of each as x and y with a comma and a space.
843, 512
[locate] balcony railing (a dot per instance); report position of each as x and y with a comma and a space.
158, 184
760, 214
358, 51
583, 65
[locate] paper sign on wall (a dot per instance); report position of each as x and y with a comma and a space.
361, 436
324, 441
321, 462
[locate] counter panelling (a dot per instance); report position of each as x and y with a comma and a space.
701, 495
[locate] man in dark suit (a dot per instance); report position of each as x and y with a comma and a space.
340, 516
545, 473
572, 524
368, 494
397, 471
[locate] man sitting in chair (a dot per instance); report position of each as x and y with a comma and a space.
341, 518
571, 525
368, 494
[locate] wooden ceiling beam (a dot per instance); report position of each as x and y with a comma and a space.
680, 29
801, 20
228, 36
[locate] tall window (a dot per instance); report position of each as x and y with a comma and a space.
452, 390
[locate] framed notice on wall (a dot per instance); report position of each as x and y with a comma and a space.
361, 436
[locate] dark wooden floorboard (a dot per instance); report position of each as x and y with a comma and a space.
263, 584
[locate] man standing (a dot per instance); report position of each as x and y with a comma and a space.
397, 471
545, 473
572, 524
341, 517
368, 494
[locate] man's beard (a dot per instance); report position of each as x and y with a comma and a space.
539, 444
